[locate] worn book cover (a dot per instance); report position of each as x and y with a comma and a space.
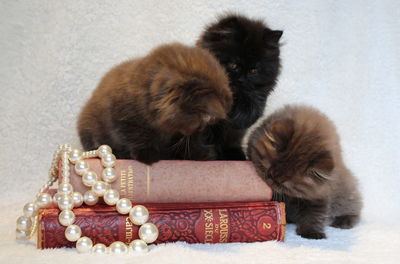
181, 181
192, 223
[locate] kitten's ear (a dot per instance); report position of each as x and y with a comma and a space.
322, 166
282, 131
272, 37
229, 22
224, 29
278, 134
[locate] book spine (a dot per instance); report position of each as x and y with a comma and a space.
198, 224
183, 181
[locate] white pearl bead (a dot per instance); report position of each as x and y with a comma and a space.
66, 202
108, 160
65, 173
30, 209
44, 200
65, 188
99, 249
90, 198
99, 188
77, 197
124, 205
148, 232
138, 246
139, 215
111, 197
81, 167
57, 198
89, 178
109, 175
118, 247
73, 233
21, 235
84, 245
104, 149
75, 155
66, 217
24, 223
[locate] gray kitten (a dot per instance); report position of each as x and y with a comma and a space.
297, 152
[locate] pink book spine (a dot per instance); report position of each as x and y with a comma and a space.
183, 181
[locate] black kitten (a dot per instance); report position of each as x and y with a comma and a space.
249, 51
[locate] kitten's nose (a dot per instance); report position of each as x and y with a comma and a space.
280, 180
189, 129
242, 79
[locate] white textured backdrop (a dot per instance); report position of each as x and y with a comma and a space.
339, 56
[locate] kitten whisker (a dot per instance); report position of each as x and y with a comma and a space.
181, 147
176, 144
187, 147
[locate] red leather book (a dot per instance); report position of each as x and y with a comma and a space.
178, 181
193, 223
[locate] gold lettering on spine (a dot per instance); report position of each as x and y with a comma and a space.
209, 226
122, 185
126, 187
130, 184
223, 225
128, 230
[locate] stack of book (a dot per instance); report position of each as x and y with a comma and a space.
191, 201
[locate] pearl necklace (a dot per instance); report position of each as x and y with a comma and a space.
67, 199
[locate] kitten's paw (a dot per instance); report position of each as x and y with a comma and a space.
147, 156
312, 234
234, 154
309, 232
345, 221
207, 153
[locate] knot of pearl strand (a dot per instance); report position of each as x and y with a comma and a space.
66, 199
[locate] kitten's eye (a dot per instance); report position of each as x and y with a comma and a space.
233, 66
253, 71
319, 177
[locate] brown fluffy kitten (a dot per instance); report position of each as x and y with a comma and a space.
296, 151
147, 108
